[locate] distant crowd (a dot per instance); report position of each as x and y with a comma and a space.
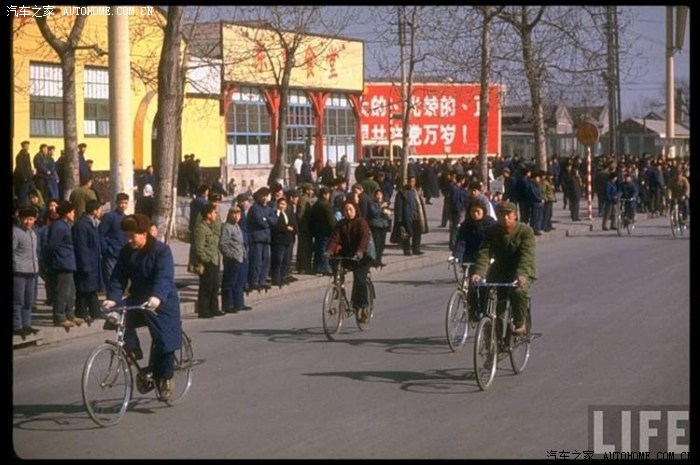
273, 232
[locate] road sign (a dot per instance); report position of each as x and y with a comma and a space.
669, 142
587, 133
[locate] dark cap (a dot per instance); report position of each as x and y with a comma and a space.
307, 185
122, 196
82, 145
26, 212
505, 207
137, 222
64, 207
92, 205
214, 197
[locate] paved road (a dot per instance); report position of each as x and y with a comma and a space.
611, 316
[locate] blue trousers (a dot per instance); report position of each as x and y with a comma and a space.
23, 298
259, 264
233, 283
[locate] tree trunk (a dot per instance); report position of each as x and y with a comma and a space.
169, 119
484, 98
534, 83
70, 125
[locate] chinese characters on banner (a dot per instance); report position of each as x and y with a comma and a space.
444, 117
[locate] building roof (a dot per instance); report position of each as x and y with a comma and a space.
582, 114
204, 39
658, 127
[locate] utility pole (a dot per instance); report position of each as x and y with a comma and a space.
610, 79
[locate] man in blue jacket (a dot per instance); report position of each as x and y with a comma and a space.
112, 237
146, 265
88, 261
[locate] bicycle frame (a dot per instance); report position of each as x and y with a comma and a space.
492, 310
337, 306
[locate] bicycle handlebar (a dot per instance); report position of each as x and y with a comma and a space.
124, 308
484, 283
455, 261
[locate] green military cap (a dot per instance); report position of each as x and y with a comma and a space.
505, 207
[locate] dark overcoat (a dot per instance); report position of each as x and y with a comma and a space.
88, 255
150, 272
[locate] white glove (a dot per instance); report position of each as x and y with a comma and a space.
107, 304
152, 303
451, 259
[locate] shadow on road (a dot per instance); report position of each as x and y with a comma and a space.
409, 345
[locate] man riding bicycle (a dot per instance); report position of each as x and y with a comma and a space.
511, 244
629, 192
146, 266
679, 191
350, 239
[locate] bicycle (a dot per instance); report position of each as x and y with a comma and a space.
337, 307
623, 219
110, 372
676, 216
495, 334
457, 319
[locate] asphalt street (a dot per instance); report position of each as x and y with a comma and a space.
611, 324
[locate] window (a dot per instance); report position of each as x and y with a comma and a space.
96, 88
338, 129
247, 129
45, 100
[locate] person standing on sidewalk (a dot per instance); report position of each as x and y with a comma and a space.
88, 262
410, 217
25, 270
62, 262
111, 234
206, 250
234, 253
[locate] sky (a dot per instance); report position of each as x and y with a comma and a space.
647, 33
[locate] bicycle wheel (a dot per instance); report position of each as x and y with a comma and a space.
485, 353
618, 217
673, 217
630, 226
370, 300
519, 346
457, 320
106, 385
333, 313
182, 377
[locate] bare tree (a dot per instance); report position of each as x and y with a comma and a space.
524, 22
171, 91
66, 50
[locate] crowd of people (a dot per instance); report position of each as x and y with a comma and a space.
273, 233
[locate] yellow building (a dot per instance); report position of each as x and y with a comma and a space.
36, 113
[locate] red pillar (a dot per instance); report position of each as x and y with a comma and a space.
355, 101
272, 99
318, 103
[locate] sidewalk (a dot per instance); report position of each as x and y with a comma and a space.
434, 246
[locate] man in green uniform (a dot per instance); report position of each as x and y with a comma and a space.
512, 246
